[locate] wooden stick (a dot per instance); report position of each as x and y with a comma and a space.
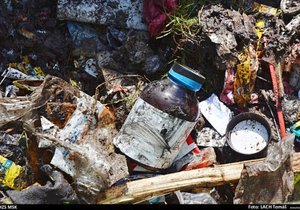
143, 189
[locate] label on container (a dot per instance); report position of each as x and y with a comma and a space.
186, 149
9, 171
151, 136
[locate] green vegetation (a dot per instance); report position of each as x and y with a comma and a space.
184, 21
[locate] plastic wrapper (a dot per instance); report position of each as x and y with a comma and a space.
265, 9
9, 172
13, 175
245, 77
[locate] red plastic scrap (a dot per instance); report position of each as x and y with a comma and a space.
226, 95
277, 101
276, 93
120, 88
189, 141
155, 13
203, 158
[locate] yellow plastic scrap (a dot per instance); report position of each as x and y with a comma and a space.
27, 84
38, 71
26, 33
18, 84
245, 77
261, 8
25, 59
26, 68
296, 178
19, 66
74, 84
9, 171
259, 28
76, 64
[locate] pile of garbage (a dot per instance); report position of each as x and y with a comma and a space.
150, 102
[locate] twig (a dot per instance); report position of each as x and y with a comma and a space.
263, 92
120, 77
263, 79
4, 77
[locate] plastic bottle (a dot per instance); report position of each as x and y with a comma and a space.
162, 118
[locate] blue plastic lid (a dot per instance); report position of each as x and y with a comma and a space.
186, 77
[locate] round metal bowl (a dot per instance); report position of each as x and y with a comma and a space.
248, 133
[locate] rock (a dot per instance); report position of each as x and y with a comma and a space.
120, 13
224, 27
134, 55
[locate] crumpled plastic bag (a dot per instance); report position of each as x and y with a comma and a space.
271, 181
58, 192
82, 129
12, 109
195, 198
